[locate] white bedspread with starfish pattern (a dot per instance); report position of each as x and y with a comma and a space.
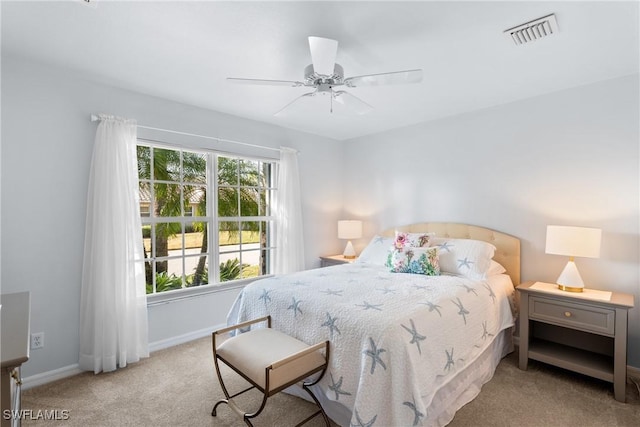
395, 338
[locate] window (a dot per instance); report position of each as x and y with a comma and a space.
177, 216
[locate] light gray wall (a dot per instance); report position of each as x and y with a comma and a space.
568, 158
565, 158
47, 142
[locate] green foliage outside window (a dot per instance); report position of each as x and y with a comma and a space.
174, 183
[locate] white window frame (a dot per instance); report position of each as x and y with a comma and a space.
213, 220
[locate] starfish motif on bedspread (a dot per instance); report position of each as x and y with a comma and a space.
491, 294
336, 387
464, 263
416, 414
469, 289
485, 333
386, 290
432, 307
300, 283
295, 306
322, 275
331, 324
337, 292
415, 336
378, 239
366, 306
265, 296
422, 287
450, 361
362, 423
445, 246
374, 354
463, 311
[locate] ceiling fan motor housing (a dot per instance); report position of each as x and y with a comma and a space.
314, 79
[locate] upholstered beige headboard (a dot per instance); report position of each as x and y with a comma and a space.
507, 247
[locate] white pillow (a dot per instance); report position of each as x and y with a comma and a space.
466, 257
376, 251
495, 268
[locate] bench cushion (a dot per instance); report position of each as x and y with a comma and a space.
251, 352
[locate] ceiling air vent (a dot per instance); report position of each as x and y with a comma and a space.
533, 30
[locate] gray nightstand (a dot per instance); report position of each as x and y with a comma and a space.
327, 261
580, 332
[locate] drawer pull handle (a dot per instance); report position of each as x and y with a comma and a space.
567, 314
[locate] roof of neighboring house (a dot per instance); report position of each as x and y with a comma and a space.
196, 196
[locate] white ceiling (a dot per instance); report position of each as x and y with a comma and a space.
184, 50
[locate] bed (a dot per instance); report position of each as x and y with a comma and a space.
406, 349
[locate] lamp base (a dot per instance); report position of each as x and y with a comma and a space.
349, 252
569, 288
570, 279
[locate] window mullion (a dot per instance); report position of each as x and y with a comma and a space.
183, 227
212, 213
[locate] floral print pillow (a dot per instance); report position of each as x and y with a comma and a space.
411, 240
414, 260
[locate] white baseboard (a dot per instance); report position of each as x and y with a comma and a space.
68, 371
632, 371
71, 370
181, 339
50, 376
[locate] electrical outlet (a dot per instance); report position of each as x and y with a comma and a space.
37, 340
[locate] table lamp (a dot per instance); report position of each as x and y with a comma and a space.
572, 242
349, 229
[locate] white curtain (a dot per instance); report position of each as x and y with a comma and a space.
289, 256
113, 306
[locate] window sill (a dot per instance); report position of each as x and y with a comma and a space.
180, 294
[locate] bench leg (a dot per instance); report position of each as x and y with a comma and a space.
307, 388
315, 399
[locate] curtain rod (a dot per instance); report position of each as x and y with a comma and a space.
95, 118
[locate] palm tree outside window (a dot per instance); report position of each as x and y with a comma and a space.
177, 216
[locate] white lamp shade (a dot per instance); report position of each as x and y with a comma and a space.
573, 241
349, 229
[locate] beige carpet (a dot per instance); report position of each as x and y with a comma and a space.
177, 387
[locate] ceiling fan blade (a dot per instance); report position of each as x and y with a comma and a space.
286, 107
265, 82
394, 78
352, 102
323, 54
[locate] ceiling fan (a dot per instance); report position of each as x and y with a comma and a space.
325, 75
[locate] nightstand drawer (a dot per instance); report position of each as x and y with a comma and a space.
577, 316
